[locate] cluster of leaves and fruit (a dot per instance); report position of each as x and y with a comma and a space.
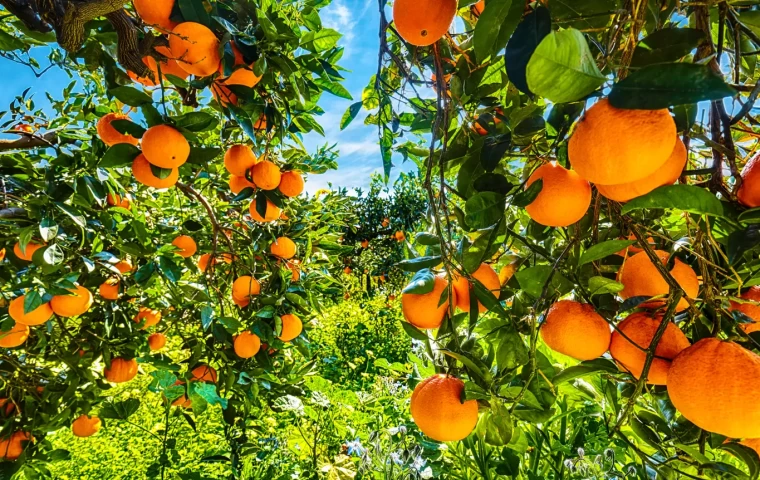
537, 128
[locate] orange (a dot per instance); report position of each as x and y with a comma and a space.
291, 184
155, 12
423, 22
749, 192
121, 370
486, 275
109, 289
151, 317
2, 254
85, 426
751, 309
72, 305
116, 200
204, 261
261, 123
11, 447
109, 135
186, 246
564, 197
641, 279
164, 146
9, 406
714, 385
283, 247
423, 310
399, 236
28, 252
611, 146
170, 66
667, 174
365, 243
238, 184
244, 287
633, 249
576, 330
239, 159
266, 175
479, 7
291, 327
156, 341
246, 344
295, 271
38, 316
123, 266
14, 337
195, 48
640, 328
146, 81
143, 174
242, 76
272, 213
438, 411
204, 373
386, 222
479, 125
347, 270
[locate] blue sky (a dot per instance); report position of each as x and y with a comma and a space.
357, 20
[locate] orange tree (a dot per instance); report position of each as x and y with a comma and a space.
591, 152
138, 221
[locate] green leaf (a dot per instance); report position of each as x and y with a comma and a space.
206, 391
533, 279
203, 155
196, 121
667, 84
527, 196
207, 317
682, 197
495, 426
128, 127
427, 239
350, 115
8, 42
601, 285
320, 41
416, 264
414, 332
333, 87
751, 19
584, 368
528, 35
751, 216
193, 11
32, 300
495, 26
511, 351
422, 282
119, 155
73, 213
666, 45
601, 250
484, 209
48, 229
53, 255
562, 68
159, 172
119, 410
745, 454
467, 362
130, 96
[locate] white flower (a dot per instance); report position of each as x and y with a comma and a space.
396, 458
418, 463
427, 473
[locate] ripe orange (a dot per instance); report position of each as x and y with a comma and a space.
11, 447
242, 76
479, 7
204, 373
438, 411
246, 344
611, 146
123, 266
291, 327
266, 175
576, 330
347, 270
170, 66
150, 317
272, 213
749, 193
633, 249
283, 247
640, 327
386, 221
486, 275
295, 271
156, 341
713, 384
72, 305
365, 243
186, 245
147, 81
399, 236
38, 316
239, 159
9, 407
237, 184
121, 370
109, 135
85, 426
667, 174
109, 289
245, 287
423, 310
480, 123
564, 197
291, 184
143, 174
641, 279
28, 252
751, 309
196, 49
14, 337
423, 22
164, 146
116, 200
204, 261
155, 12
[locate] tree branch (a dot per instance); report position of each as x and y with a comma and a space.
29, 140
